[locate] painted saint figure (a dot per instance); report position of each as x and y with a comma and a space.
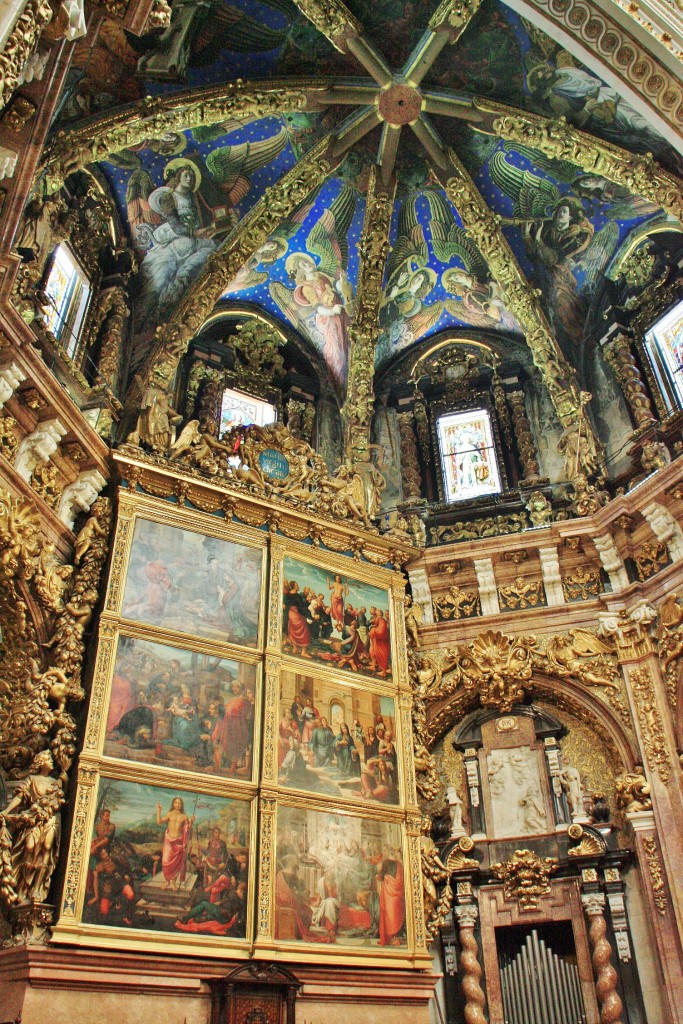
176, 843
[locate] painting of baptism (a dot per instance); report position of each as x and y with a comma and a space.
336, 740
190, 583
335, 619
340, 880
181, 709
168, 860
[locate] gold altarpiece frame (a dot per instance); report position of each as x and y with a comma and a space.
195, 624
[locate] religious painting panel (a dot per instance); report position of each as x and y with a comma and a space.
181, 709
340, 880
335, 620
336, 740
168, 860
192, 583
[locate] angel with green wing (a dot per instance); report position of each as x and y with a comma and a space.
321, 302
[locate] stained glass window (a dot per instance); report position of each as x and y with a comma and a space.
664, 345
468, 456
68, 290
240, 409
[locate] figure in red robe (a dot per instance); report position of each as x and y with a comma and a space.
380, 650
232, 733
296, 614
392, 903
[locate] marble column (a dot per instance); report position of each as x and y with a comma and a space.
601, 953
475, 999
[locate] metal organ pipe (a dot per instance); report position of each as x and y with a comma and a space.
540, 987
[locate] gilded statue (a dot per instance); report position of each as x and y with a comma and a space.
413, 620
435, 877
29, 833
157, 421
583, 656
633, 791
540, 509
456, 603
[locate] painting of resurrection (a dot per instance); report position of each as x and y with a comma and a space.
181, 580
168, 860
335, 619
339, 879
336, 740
181, 709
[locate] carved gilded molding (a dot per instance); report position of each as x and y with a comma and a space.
20, 45
558, 139
323, 518
454, 14
373, 250
583, 458
526, 878
651, 725
654, 866
332, 19
153, 117
37, 733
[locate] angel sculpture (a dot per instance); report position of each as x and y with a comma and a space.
404, 315
321, 302
176, 224
583, 656
559, 238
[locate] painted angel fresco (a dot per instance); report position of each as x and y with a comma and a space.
559, 86
321, 302
476, 299
256, 270
568, 254
404, 314
177, 225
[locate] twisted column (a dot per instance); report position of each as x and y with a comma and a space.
620, 358
410, 466
605, 974
475, 1000
525, 440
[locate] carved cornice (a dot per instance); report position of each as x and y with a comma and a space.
152, 117
245, 502
554, 137
277, 202
619, 51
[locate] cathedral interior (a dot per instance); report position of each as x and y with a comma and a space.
377, 308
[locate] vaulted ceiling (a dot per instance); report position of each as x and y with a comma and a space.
419, 91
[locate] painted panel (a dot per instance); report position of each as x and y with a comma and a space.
193, 584
336, 740
340, 880
181, 709
336, 620
168, 860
